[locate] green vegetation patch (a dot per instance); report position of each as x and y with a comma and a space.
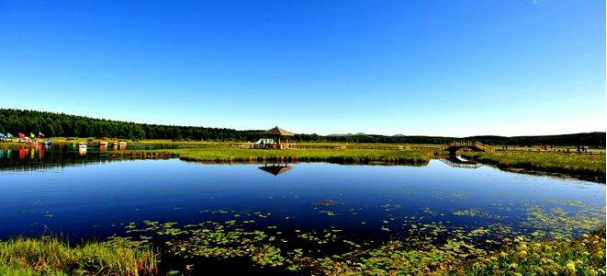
294, 155
585, 256
584, 166
52, 256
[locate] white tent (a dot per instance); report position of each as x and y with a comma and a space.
265, 141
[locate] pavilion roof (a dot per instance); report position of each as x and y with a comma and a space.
278, 131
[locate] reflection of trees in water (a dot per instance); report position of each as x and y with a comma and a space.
63, 155
41, 158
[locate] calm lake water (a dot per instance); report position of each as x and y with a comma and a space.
90, 196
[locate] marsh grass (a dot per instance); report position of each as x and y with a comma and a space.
585, 256
54, 256
589, 167
293, 155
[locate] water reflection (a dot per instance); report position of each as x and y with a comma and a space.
276, 169
458, 162
360, 200
47, 157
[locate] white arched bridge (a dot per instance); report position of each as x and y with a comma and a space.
456, 145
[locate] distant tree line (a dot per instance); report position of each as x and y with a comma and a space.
63, 125
58, 124
594, 139
372, 138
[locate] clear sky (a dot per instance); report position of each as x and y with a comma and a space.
448, 67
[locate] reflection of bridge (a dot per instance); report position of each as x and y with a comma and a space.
458, 163
456, 145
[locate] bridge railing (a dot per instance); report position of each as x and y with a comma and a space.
467, 143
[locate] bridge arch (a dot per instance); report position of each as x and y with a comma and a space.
456, 145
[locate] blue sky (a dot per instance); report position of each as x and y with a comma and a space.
388, 67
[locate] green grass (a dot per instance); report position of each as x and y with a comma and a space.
585, 256
293, 155
53, 256
582, 165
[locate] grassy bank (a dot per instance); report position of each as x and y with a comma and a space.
295, 155
587, 167
52, 256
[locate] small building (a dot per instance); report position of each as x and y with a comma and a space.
276, 138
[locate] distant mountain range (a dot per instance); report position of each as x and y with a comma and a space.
346, 134
362, 133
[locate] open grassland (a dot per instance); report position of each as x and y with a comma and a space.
53, 256
339, 156
591, 167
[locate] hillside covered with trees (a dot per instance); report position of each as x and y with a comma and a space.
63, 125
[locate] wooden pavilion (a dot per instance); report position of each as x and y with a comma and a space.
280, 137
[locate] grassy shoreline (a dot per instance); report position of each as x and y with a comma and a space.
585, 167
304, 155
54, 256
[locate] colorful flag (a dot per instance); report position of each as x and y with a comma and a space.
21, 135
8, 135
40, 134
32, 135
